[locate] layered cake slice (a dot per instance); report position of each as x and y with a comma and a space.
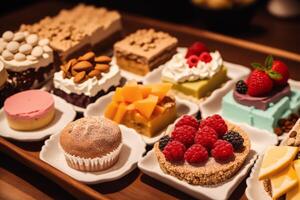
146, 108
263, 98
28, 59
195, 72
79, 29
83, 80
144, 50
206, 153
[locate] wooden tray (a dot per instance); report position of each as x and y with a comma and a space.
136, 185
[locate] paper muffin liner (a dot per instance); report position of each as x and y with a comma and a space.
93, 164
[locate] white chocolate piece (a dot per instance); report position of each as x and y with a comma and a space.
7, 55
20, 57
25, 49
43, 42
47, 49
37, 51
45, 55
31, 58
19, 36
8, 36
32, 39
13, 46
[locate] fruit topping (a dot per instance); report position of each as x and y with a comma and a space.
235, 139
188, 120
281, 68
205, 57
163, 142
217, 123
196, 154
259, 83
222, 150
207, 137
184, 134
192, 61
146, 106
241, 87
174, 151
196, 49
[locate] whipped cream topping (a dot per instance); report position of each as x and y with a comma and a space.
91, 86
178, 71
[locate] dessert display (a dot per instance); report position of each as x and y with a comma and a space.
144, 50
29, 110
204, 153
146, 108
263, 98
27, 59
280, 168
83, 80
78, 29
195, 72
91, 144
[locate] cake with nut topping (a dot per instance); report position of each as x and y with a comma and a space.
144, 50
83, 80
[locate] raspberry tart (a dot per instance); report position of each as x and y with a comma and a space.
263, 98
195, 72
206, 153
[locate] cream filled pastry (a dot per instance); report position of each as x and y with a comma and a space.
29, 110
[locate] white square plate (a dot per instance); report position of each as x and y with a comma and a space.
64, 113
150, 166
132, 150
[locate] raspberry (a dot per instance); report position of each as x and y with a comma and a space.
205, 57
192, 61
235, 139
184, 134
163, 142
241, 87
196, 49
188, 120
207, 137
174, 151
196, 154
222, 150
259, 83
217, 123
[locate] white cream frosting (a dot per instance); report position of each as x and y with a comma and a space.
31, 60
91, 86
178, 71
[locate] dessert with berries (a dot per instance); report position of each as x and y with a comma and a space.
144, 50
205, 153
27, 58
81, 28
195, 72
263, 98
83, 80
146, 108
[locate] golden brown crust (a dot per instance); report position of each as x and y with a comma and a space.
209, 173
90, 137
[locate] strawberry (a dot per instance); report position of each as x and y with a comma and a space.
259, 83
282, 69
196, 49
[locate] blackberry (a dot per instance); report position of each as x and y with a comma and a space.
235, 139
163, 142
241, 87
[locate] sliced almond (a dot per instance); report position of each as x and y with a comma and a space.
94, 73
102, 59
82, 66
88, 56
102, 67
79, 77
70, 63
73, 72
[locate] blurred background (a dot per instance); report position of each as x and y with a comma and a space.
262, 21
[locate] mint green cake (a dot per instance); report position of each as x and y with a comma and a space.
263, 119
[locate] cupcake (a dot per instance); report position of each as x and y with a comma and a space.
91, 144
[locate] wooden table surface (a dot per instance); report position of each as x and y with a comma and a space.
18, 181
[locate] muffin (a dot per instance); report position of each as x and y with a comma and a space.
91, 144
